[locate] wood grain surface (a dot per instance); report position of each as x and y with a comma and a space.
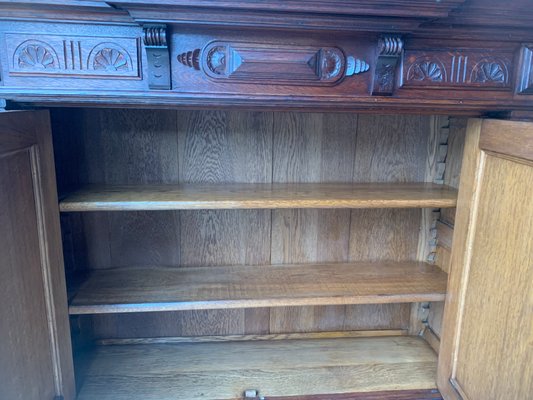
35, 345
276, 368
258, 196
230, 147
486, 344
172, 289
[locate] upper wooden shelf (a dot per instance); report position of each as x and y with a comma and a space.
257, 196
200, 288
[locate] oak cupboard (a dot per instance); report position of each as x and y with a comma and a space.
263, 245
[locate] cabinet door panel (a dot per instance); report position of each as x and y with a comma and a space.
487, 346
35, 351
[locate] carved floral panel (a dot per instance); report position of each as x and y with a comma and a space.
447, 68
73, 56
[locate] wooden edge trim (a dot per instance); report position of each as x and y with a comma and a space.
471, 172
510, 138
432, 339
444, 235
239, 338
429, 394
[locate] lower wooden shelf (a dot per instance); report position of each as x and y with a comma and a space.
223, 371
195, 288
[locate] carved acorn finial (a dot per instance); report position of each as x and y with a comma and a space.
190, 59
355, 66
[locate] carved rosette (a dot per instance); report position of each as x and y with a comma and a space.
330, 63
216, 60
36, 55
489, 71
426, 70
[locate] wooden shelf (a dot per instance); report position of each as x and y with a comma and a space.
198, 371
200, 288
255, 196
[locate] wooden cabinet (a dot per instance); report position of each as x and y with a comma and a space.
265, 246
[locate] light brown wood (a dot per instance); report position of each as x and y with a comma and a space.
222, 371
510, 138
432, 339
257, 196
443, 258
315, 148
35, 350
486, 347
454, 159
241, 338
444, 235
202, 288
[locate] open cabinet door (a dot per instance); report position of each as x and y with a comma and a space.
35, 349
487, 346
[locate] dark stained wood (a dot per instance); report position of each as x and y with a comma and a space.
458, 65
35, 333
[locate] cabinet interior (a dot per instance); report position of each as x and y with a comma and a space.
191, 276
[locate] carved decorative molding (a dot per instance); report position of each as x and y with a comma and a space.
525, 70
190, 59
427, 70
157, 53
487, 71
109, 57
73, 56
261, 63
448, 68
355, 66
390, 49
36, 55
217, 60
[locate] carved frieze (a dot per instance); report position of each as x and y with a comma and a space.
190, 59
262, 63
449, 68
73, 56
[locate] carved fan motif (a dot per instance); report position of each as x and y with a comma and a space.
37, 57
426, 70
111, 60
489, 72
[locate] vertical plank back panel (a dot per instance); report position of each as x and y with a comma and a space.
133, 146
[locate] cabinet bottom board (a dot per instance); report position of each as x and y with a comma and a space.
281, 368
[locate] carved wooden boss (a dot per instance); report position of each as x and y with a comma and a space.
421, 55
